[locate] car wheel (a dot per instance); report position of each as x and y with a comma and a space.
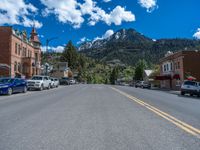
182, 93
191, 94
42, 87
49, 87
10, 91
25, 89
198, 95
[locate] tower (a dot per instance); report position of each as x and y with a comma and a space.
36, 44
35, 39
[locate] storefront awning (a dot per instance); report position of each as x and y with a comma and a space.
164, 77
176, 76
191, 78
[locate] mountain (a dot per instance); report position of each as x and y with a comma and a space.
127, 46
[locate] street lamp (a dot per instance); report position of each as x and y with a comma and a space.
47, 46
48, 41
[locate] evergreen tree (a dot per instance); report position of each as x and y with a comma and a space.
139, 70
70, 55
114, 75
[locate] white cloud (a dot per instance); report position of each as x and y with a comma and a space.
106, 35
58, 49
106, 1
82, 40
19, 13
150, 5
73, 12
42, 36
197, 34
65, 10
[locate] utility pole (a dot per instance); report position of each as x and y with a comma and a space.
47, 51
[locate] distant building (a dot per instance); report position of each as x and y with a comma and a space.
147, 75
21, 53
177, 67
60, 69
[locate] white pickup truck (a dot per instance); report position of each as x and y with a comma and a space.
39, 82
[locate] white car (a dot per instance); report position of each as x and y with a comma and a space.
190, 87
39, 82
56, 82
52, 82
72, 81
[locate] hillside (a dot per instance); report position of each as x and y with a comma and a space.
128, 46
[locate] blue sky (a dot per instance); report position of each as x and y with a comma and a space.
80, 20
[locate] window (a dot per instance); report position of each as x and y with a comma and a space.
190, 83
19, 48
36, 57
15, 48
175, 66
179, 65
171, 66
15, 66
164, 68
28, 53
25, 52
19, 67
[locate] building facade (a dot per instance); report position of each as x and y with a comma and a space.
60, 70
21, 53
177, 67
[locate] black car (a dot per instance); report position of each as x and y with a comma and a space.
64, 81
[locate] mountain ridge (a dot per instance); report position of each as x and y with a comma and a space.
128, 46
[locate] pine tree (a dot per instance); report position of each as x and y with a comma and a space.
139, 70
114, 75
70, 55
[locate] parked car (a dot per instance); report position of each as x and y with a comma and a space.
56, 82
72, 81
190, 87
64, 81
9, 86
143, 84
52, 83
39, 82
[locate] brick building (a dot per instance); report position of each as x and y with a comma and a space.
21, 53
177, 67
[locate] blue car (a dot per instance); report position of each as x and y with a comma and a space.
8, 86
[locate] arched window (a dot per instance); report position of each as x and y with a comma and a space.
19, 49
15, 66
19, 67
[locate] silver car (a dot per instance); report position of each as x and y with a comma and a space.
190, 87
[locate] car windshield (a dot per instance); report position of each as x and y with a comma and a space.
5, 81
37, 78
65, 78
190, 83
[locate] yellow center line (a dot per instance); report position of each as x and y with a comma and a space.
184, 126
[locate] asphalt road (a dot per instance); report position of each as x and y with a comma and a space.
96, 117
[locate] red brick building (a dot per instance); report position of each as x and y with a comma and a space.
21, 53
177, 67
